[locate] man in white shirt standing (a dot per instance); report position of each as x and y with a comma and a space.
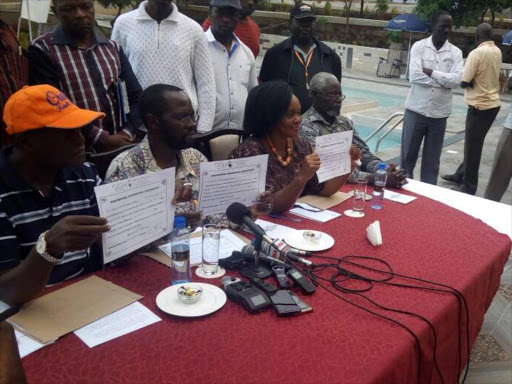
234, 65
435, 69
166, 47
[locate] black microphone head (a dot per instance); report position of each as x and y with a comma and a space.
236, 213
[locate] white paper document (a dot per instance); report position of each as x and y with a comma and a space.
334, 152
322, 216
126, 320
228, 181
27, 345
229, 242
275, 231
138, 210
398, 197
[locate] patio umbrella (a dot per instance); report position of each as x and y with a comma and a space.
408, 22
507, 38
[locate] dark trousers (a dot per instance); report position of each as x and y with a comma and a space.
502, 168
415, 128
478, 123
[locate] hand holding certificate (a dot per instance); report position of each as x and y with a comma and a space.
334, 152
227, 181
138, 210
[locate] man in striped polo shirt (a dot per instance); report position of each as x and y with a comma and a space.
92, 70
48, 211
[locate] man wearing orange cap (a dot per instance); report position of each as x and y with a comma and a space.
48, 211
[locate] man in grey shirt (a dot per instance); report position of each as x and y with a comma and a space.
324, 118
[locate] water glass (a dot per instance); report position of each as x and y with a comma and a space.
360, 187
211, 245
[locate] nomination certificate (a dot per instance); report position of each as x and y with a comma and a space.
334, 152
228, 181
139, 211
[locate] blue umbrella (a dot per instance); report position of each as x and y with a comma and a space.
507, 38
408, 22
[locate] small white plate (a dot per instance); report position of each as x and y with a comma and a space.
296, 240
212, 299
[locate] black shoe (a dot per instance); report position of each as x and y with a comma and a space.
464, 189
452, 178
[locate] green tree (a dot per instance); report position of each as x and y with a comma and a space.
328, 8
464, 12
347, 6
119, 4
382, 6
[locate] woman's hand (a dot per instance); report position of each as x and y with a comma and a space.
182, 191
355, 156
309, 166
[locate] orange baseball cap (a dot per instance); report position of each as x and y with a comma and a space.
42, 106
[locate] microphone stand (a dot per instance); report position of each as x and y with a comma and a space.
258, 239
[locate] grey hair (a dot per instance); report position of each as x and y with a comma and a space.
319, 81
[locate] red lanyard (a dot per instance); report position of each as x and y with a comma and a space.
306, 66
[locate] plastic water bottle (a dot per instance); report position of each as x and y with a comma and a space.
180, 247
379, 184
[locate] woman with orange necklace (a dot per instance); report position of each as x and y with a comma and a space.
272, 118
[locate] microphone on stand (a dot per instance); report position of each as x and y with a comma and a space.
240, 214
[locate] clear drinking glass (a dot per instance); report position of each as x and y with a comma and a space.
360, 187
211, 245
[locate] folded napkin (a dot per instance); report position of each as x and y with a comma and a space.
373, 233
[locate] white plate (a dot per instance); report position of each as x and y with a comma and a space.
212, 299
296, 240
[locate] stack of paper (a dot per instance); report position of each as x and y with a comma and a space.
398, 197
58, 313
229, 242
129, 319
321, 216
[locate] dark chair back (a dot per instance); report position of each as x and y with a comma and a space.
102, 160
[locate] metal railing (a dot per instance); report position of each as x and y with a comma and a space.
400, 116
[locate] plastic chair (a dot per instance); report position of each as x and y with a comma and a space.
390, 67
218, 144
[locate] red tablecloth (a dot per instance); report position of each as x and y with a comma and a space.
336, 343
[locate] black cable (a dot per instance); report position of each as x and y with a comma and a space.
460, 297
418, 343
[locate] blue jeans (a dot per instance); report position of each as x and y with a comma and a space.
415, 128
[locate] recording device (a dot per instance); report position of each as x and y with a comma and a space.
240, 214
245, 294
305, 285
7, 311
266, 287
286, 303
280, 274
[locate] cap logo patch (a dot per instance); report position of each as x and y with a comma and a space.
60, 100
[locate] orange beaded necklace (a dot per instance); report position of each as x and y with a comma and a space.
289, 152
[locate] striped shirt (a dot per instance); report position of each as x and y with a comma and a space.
25, 213
12, 70
89, 78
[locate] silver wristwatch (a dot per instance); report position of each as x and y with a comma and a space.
41, 249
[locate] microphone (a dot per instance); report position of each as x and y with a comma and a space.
240, 214
248, 252
279, 247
